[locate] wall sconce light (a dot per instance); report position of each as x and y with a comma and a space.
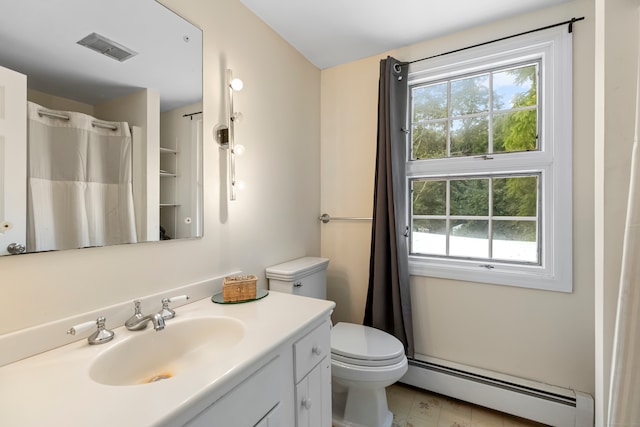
225, 134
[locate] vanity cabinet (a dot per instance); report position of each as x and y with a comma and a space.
251, 403
312, 366
292, 389
272, 419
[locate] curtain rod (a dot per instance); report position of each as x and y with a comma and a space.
569, 22
94, 123
190, 115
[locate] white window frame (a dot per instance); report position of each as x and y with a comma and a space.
553, 160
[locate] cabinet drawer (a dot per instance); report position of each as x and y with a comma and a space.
311, 349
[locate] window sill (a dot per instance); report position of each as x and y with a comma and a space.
531, 277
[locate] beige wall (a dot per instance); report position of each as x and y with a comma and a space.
58, 103
616, 63
539, 335
273, 220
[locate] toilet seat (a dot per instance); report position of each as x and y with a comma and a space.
360, 345
365, 363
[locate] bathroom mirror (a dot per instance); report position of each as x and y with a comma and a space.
131, 68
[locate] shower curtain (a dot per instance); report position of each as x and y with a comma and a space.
624, 396
79, 185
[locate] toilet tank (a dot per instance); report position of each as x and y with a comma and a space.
303, 276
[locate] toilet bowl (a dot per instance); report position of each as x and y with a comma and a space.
364, 360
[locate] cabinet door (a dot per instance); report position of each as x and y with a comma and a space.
313, 397
247, 405
272, 419
13, 159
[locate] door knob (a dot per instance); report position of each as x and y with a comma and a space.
306, 403
16, 248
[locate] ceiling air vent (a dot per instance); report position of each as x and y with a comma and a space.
107, 47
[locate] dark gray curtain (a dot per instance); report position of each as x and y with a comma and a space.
388, 299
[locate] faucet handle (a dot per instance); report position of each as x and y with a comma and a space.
136, 307
137, 315
100, 336
82, 327
168, 313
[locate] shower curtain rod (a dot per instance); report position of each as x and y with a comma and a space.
190, 115
569, 22
67, 118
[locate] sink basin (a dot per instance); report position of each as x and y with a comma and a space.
149, 356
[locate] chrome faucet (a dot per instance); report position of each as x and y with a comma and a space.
138, 322
100, 336
168, 313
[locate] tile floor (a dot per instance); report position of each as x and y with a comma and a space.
413, 407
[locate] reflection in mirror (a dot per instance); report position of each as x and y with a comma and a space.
100, 124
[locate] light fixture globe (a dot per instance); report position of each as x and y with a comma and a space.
237, 85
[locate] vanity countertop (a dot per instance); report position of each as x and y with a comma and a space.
55, 388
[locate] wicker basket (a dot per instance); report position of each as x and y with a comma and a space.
239, 288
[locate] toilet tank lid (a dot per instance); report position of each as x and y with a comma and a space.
297, 268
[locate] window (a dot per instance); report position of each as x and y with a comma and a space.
488, 217
489, 163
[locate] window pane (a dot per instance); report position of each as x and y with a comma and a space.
470, 95
482, 217
429, 197
515, 131
470, 197
469, 239
429, 141
515, 241
470, 136
515, 88
429, 237
511, 239
429, 102
515, 196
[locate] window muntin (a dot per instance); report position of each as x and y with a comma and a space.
486, 112
488, 218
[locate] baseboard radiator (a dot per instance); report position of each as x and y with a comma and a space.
551, 405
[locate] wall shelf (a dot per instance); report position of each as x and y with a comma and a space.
169, 189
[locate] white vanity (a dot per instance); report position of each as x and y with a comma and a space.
263, 363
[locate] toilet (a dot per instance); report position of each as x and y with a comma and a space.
364, 360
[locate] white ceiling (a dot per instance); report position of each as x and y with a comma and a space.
332, 32
327, 32
38, 38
